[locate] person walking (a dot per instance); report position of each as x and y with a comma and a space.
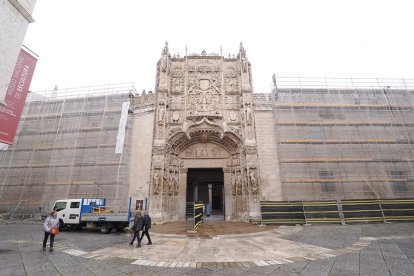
137, 227
50, 222
146, 227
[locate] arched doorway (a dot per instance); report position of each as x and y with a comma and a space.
207, 185
201, 150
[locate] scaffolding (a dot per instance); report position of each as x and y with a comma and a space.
345, 138
65, 148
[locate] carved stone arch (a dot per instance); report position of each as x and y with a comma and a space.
204, 132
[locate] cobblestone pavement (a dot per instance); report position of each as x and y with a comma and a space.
365, 249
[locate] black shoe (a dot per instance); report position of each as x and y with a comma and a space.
139, 245
130, 243
149, 243
44, 248
51, 249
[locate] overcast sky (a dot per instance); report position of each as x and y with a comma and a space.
93, 42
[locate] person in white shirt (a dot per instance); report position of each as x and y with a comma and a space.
50, 222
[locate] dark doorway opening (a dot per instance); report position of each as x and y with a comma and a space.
207, 185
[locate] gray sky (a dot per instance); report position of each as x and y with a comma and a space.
93, 42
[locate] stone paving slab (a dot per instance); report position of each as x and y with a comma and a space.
268, 249
374, 250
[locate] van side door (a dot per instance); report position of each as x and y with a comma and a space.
61, 210
74, 212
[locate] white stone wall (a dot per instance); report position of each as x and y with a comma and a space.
13, 27
141, 151
268, 156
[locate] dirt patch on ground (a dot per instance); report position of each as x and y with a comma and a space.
209, 229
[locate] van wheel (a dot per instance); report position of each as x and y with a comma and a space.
105, 228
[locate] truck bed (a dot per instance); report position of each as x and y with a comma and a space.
110, 217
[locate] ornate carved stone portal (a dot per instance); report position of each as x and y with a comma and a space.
204, 119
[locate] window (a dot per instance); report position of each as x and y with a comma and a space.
399, 179
74, 204
59, 206
327, 187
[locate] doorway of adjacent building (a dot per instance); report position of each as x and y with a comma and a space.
207, 185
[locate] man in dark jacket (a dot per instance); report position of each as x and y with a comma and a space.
137, 227
147, 227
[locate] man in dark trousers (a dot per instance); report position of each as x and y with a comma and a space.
147, 227
137, 227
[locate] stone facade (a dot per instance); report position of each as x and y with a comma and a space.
15, 17
203, 112
203, 135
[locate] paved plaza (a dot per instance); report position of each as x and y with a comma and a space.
363, 249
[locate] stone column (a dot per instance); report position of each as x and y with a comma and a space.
182, 194
228, 196
210, 196
195, 192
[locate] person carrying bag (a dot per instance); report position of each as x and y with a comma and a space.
51, 227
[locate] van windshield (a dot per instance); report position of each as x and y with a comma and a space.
59, 206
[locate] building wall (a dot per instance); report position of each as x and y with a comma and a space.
65, 148
268, 153
141, 151
311, 146
345, 144
14, 21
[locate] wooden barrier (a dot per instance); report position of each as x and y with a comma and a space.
398, 209
362, 210
321, 211
329, 211
189, 211
282, 212
198, 214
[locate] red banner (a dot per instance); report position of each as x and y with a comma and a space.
16, 96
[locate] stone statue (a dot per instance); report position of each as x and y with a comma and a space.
176, 181
164, 59
243, 58
171, 182
253, 181
233, 183
189, 151
204, 151
239, 183
161, 114
156, 183
215, 151
249, 115
164, 63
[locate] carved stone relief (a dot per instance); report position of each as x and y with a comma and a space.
253, 181
158, 162
164, 58
156, 182
177, 85
204, 94
244, 64
203, 65
172, 180
177, 102
175, 116
202, 119
232, 102
231, 85
233, 183
239, 182
250, 150
232, 116
173, 130
249, 114
202, 151
235, 129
